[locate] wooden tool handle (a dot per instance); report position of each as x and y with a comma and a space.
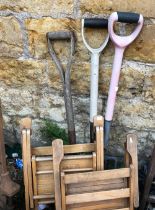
132, 150
99, 124
57, 146
65, 77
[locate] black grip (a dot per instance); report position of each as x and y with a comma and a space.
59, 35
95, 23
128, 17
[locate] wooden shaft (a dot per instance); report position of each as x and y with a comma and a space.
99, 124
131, 185
132, 150
29, 167
58, 155
69, 108
26, 180
35, 188
65, 78
63, 192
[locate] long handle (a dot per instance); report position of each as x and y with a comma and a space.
95, 53
69, 111
65, 77
120, 42
113, 91
93, 90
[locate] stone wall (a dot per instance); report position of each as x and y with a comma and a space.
30, 84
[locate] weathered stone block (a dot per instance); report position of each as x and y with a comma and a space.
37, 29
19, 102
135, 113
38, 7
149, 89
22, 72
108, 6
141, 49
51, 106
11, 37
37, 103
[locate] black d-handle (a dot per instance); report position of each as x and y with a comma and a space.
95, 23
128, 17
58, 35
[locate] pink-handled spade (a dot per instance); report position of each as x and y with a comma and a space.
120, 43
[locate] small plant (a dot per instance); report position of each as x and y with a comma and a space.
52, 131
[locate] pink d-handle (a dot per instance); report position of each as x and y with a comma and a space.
120, 44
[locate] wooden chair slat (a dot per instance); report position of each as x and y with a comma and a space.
104, 205
99, 175
68, 149
98, 196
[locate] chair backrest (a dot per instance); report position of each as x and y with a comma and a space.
42, 167
77, 158
106, 189
110, 189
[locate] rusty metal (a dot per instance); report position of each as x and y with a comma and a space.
7, 186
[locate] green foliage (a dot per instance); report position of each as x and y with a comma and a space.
52, 131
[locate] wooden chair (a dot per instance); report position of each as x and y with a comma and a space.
39, 167
106, 189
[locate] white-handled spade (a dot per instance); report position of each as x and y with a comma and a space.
95, 54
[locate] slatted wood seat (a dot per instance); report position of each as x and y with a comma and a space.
43, 174
106, 189
38, 163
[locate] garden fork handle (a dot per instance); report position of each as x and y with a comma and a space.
65, 77
94, 75
120, 43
